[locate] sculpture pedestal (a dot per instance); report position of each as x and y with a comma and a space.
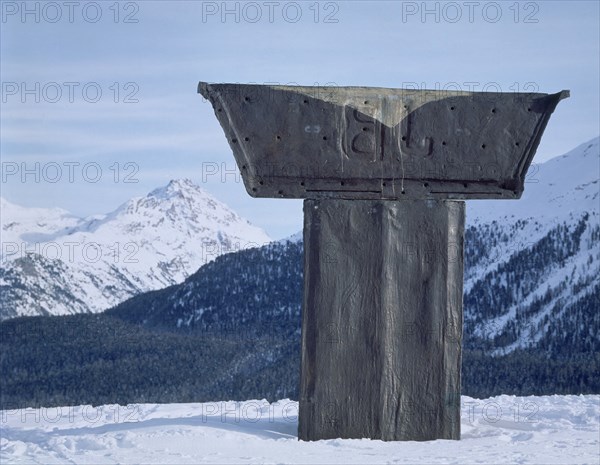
382, 319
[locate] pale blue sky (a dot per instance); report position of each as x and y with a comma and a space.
170, 132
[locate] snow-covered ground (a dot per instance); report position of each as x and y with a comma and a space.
499, 430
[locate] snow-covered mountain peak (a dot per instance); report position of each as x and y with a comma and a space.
554, 190
180, 208
148, 242
574, 169
12, 212
179, 199
17, 221
181, 186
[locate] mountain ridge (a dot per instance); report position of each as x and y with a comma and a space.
146, 243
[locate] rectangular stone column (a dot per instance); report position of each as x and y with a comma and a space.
382, 319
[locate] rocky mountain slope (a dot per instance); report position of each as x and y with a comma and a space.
532, 266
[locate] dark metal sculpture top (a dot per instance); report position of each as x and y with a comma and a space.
378, 143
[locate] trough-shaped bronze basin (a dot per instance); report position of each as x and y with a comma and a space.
379, 143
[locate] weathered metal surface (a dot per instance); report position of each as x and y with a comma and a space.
382, 319
383, 270
377, 143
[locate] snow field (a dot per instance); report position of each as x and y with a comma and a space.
504, 429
